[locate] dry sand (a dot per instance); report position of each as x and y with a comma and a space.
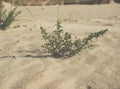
24, 65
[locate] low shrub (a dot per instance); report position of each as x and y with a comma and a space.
118, 1
88, 1
6, 18
62, 45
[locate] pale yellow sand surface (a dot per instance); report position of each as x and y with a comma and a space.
24, 65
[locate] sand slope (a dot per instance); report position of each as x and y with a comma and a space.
24, 65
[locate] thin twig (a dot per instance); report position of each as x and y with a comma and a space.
57, 10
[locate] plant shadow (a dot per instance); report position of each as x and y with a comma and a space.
34, 53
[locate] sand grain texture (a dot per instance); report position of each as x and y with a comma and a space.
24, 65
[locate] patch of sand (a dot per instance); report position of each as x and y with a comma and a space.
24, 65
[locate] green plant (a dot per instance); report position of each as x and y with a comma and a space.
7, 19
62, 45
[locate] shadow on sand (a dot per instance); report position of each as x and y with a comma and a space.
28, 54
34, 54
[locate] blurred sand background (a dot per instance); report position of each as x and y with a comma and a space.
24, 65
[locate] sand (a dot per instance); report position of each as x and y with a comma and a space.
24, 65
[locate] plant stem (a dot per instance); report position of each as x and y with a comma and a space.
57, 10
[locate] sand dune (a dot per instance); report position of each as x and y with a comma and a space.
24, 65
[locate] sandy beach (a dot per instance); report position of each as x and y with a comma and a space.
24, 65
